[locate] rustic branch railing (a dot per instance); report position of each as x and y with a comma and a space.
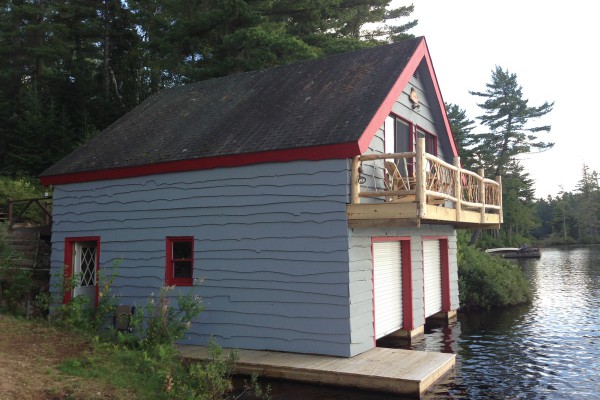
424, 179
43, 204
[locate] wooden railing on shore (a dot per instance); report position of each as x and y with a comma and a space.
425, 179
18, 208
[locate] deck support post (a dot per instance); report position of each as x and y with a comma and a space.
481, 173
354, 185
457, 188
501, 211
421, 175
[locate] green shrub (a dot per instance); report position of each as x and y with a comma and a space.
159, 322
78, 313
147, 361
487, 281
210, 380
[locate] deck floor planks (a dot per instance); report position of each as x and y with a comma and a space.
399, 371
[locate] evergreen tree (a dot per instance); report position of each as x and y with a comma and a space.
461, 127
508, 116
518, 204
588, 205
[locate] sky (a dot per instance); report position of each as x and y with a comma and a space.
552, 48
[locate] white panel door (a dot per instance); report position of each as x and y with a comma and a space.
387, 277
432, 269
85, 268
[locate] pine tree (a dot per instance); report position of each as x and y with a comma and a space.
461, 127
588, 205
508, 116
520, 218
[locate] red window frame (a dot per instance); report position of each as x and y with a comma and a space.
170, 278
431, 145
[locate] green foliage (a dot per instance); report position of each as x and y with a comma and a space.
78, 313
158, 322
571, 217
210, 380
520, 218
21, 189
461, 127
148, 362
16, 283
123, 367
487, 281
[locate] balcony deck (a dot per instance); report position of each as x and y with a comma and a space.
414, 188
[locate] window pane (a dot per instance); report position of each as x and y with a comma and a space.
402, 137
182, 250
389, 145
182, 269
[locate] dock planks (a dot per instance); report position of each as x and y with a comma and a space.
405, 372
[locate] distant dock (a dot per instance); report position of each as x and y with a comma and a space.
405, 372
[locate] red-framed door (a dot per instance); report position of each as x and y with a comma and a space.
82, 267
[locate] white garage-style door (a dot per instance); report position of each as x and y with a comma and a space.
387, 277
432, 269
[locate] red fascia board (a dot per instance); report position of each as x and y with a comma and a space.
333, 151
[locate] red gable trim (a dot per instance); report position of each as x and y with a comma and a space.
386, 107
333, 151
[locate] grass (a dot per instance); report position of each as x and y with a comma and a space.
32, 354
43, 361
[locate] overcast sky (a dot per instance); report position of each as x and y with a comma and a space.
550, 45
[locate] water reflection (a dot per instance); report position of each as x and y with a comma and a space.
549, 349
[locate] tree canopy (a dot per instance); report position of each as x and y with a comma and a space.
69, 68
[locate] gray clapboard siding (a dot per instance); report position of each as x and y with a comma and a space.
271, 245
426, 118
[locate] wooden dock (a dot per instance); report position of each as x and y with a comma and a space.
405, 372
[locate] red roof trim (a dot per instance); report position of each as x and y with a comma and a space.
333, 151
422, 52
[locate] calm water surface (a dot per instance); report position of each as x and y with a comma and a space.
547, 350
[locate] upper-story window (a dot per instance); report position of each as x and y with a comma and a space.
180, 261
430, 141
399, 136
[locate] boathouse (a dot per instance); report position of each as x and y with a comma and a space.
317, 202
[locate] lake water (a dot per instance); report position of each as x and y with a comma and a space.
549, 349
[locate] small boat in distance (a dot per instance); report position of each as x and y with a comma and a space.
516, 252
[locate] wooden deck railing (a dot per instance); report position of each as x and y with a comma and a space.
425, 179
40, 211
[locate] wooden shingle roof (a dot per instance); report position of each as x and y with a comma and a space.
276, 114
